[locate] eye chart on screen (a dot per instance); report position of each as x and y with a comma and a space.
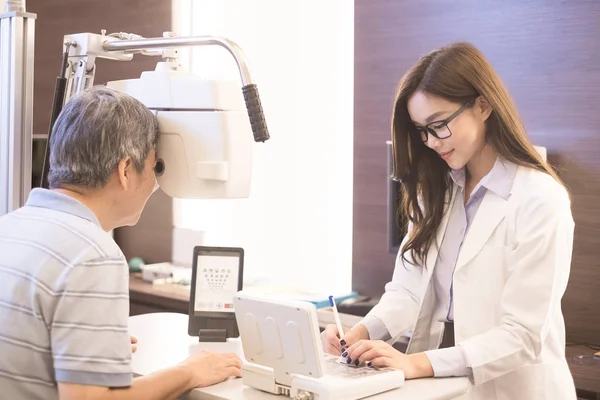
217, 278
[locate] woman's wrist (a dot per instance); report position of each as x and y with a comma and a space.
361, 332
421, 366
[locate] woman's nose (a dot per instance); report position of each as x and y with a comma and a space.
433, 142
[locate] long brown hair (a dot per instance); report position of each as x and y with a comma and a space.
458, 73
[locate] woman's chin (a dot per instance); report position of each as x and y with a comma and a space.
454, 162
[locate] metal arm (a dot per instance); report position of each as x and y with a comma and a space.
84, 48
172, 42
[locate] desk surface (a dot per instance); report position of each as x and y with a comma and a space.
163, 341
584, 368
148, 298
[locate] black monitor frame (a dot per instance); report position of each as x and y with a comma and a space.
213, 326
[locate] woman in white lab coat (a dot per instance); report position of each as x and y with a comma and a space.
481, 272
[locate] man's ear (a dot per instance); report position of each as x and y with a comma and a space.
125, 170
484, 107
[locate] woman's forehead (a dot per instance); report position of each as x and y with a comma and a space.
425, 108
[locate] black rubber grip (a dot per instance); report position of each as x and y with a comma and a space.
255, 112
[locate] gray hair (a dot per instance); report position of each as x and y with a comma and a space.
95, 131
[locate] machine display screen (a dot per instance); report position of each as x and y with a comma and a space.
217, 280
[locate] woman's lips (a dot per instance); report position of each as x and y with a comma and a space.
446, 155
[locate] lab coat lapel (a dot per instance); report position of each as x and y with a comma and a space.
434, 249
490, 213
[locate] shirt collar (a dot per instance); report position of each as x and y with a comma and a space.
44, 198
499, 180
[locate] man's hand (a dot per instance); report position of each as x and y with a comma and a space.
375, 353
209, 368
331, 339
203, 369
133, 340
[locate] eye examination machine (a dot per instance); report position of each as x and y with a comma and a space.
206, 127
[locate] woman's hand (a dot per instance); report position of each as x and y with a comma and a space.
331, 339
375, 353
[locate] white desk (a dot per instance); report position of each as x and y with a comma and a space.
163, 341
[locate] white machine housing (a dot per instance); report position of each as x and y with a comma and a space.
205, 141
284, 355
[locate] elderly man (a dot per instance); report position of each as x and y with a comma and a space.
64, 295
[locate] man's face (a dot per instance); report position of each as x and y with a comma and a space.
139, 188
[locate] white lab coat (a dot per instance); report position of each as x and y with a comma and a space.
510, 276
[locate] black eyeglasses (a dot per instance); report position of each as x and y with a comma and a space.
440, 129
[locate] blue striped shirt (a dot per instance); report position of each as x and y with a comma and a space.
64, 300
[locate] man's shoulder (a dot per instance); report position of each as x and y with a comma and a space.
58, 229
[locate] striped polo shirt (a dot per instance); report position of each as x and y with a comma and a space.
64, 300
